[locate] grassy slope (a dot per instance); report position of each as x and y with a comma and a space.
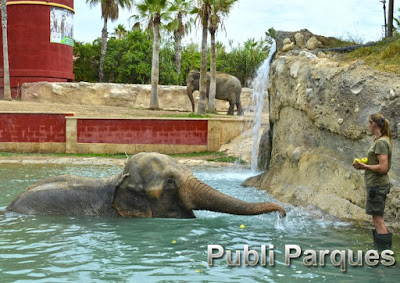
384, 56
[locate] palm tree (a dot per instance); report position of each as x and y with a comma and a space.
120, 31
220, 9
109, 10
180, 10
6, 68
153, 11
203, 11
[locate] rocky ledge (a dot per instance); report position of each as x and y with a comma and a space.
318, 125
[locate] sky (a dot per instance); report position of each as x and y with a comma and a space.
361, 20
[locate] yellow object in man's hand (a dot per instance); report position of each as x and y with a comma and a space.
361, 160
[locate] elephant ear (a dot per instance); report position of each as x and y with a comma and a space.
130, 199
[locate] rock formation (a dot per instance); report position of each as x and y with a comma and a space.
302, 39
318, 124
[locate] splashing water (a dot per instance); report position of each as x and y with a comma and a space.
259, 86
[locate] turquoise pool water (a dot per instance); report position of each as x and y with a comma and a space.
93, 249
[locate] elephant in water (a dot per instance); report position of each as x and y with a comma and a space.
228, 88
151, 185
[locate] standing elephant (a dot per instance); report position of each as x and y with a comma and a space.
229, 88
151, 185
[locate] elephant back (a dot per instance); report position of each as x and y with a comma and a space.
228, 87
69, 195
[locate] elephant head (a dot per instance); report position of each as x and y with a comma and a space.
192, 84
155, 185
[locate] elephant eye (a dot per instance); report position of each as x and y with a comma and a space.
170, 181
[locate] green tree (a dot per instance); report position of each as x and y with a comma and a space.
270, 36
86, 64
243, 60
109, 10
153, 11
191, 58
220, 9
180, 25
120, 31
203, 14
6, 67
128, 59
168, 73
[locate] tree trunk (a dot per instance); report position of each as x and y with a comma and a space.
178, 44
390, 19
178, 51
6, 68
203, 67
155, 65
213, 82
103, 50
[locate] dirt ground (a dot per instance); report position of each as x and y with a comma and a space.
84, 110
239, 147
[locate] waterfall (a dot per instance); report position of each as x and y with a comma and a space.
259, 84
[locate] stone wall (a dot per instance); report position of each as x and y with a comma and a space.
65, 133
318, 119
123, 95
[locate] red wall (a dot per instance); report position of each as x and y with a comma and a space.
39, 128
183, 132
15, 127
32, 57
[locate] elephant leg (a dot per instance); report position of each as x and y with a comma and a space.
192, 101
239, 108
231, 107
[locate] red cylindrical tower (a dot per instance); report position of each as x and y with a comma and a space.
40, 44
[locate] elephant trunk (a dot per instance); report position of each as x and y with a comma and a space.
203, 197
189, 92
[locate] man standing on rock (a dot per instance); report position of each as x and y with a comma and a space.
376, 177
